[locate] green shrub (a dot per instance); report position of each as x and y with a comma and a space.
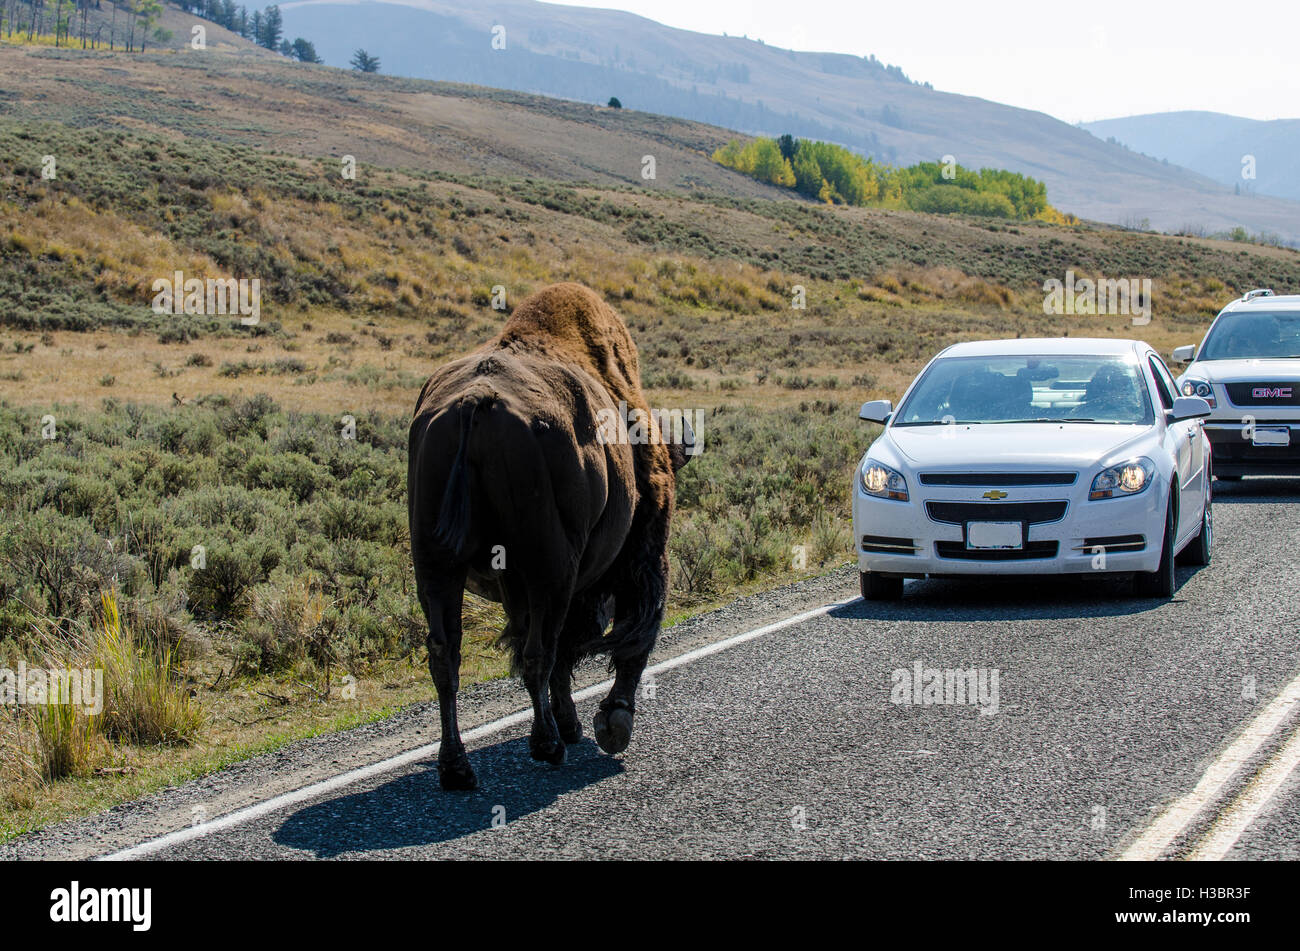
290, 471
222, 587
142, 702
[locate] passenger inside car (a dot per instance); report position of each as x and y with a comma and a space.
1252, 336
986, 396
1112, 393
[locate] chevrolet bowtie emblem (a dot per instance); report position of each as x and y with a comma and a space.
995, 494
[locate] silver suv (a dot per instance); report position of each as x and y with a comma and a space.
1248, 369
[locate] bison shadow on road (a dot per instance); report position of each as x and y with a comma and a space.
413, 811
1029, 598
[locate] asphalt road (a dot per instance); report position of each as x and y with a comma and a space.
1108, 710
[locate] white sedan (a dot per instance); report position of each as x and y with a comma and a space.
1048, 456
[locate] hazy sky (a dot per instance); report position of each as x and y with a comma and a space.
1094, 60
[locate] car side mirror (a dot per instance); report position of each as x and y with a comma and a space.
876, 411
1184, 354
1189, 407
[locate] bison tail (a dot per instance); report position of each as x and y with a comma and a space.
452, 531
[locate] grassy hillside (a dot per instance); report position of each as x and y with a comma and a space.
172, 432
417, 253
260, 99
591, 54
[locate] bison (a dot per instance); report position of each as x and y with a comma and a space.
516, 491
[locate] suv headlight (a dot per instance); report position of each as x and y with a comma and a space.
882, 482
1199, 388
1127, 478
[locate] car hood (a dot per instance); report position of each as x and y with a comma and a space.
1244, 371
997, 446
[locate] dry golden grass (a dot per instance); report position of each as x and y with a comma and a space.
69, 367
242, 718
125, 259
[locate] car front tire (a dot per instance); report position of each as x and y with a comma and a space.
880, 587
1160, 583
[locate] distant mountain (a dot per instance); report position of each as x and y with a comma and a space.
591, 55
1216, 145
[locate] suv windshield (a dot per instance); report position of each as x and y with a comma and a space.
1250, 335
1075, 388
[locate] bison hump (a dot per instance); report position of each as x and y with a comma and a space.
572, 323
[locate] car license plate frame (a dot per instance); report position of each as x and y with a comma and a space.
995, 536
1279, 436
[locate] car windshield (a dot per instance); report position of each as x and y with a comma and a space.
1247, 336
1075, 388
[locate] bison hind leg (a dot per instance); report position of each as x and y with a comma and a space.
583, 626
562, 705
547, 607
442, 598
566, 713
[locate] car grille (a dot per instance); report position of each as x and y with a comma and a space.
1031, 551
1244, 394
959, 513
998, 478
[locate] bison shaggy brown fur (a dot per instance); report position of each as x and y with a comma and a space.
516, 492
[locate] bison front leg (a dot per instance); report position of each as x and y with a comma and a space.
442, 609
640, 590
635, 630
613, 721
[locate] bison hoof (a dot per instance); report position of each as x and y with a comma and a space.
457, 776
566, 718
571, 732
613, 729
547, 752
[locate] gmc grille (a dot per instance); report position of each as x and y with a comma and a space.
1264, 394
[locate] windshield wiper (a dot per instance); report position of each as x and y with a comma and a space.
1039, 419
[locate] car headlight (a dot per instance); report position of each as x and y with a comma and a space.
882, 482
1199, 388
1127, 478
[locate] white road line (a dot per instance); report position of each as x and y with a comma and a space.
1223, 835
1175, 820
249, 813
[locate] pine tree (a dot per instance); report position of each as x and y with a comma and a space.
304, 51
272, 28
364, 62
